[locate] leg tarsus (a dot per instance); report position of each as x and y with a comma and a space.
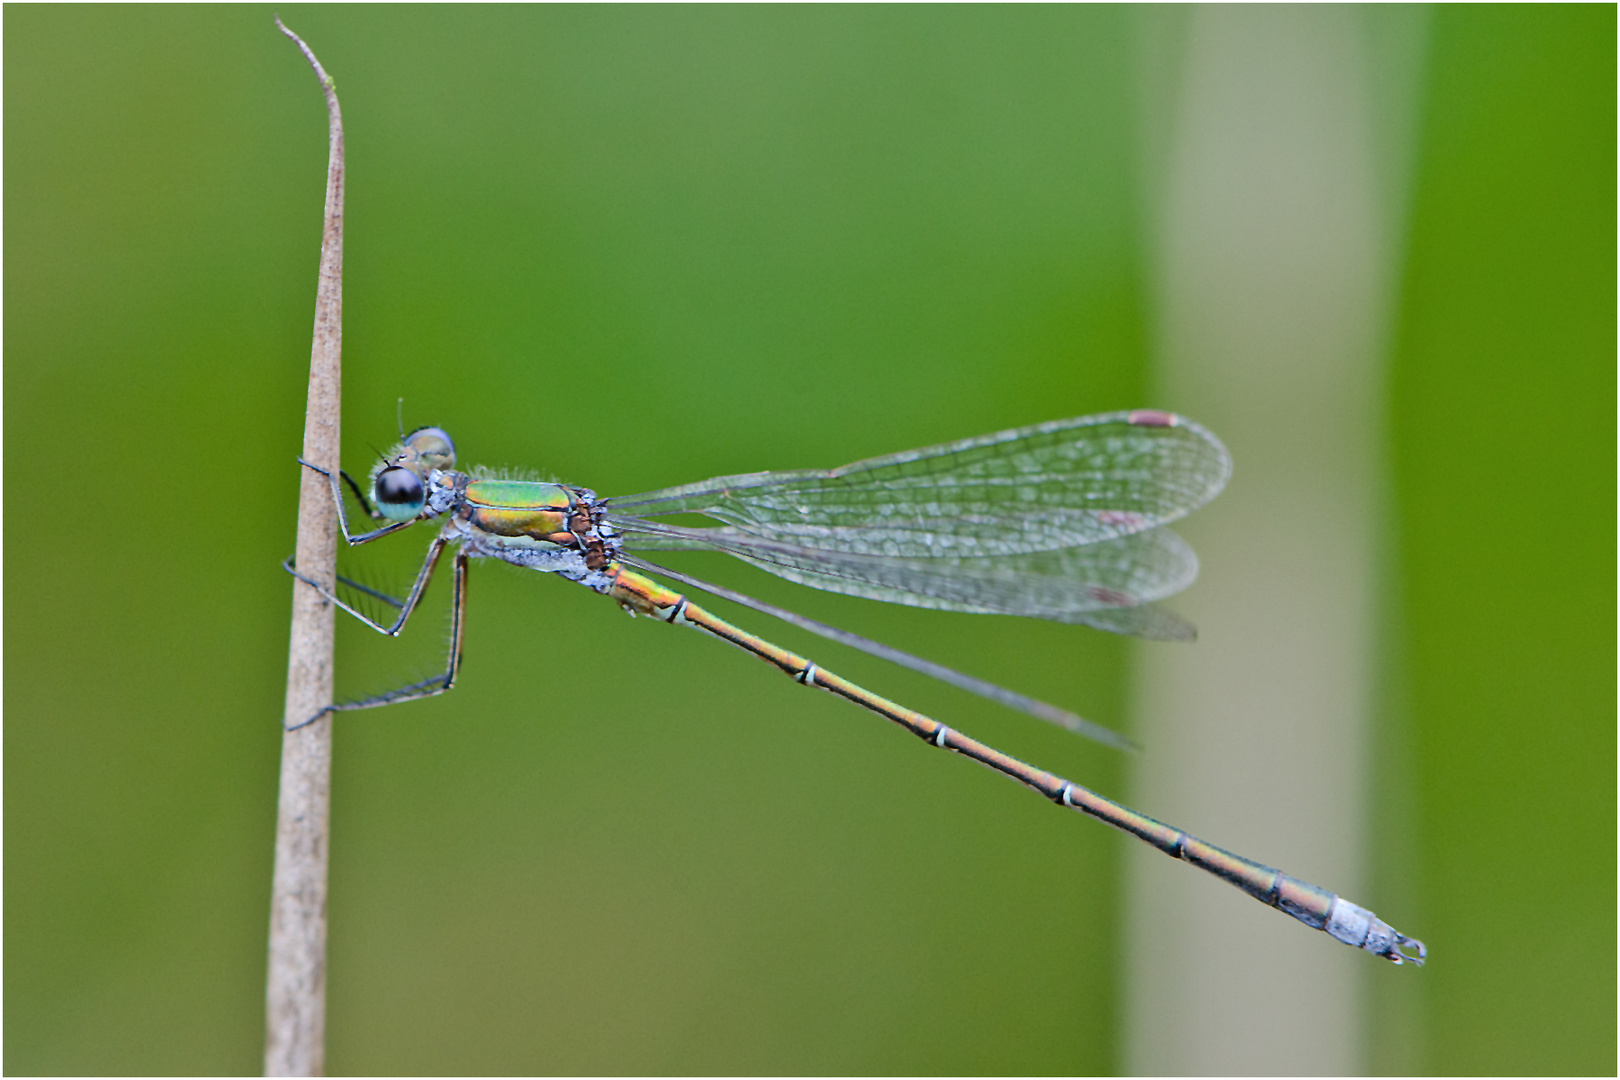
305, 723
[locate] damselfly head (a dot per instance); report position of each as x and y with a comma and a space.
399, 481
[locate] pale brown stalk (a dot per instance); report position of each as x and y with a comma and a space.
295, 1007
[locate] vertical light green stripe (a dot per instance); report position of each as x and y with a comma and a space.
1277, 260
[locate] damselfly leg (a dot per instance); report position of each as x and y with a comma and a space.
424, 688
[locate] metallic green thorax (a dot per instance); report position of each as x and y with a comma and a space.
520, 508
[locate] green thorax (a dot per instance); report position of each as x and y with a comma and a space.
520, 508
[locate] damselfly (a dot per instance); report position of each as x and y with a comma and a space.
1062, 521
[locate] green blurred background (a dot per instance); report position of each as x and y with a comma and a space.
634, 247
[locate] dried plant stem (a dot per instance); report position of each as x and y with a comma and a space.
295, 1012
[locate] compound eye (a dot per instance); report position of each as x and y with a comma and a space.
433, 447
398, 493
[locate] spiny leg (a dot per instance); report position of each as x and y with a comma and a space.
343, 513
365, 504
376, 594
408, 605
438, 684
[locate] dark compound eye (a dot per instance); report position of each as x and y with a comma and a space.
398, 493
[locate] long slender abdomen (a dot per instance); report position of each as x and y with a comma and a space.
1310, 904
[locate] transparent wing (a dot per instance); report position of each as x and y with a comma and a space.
1056, 485
1063, 718
1110, 584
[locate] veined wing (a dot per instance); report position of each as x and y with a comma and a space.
1110, 584
1055, 485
